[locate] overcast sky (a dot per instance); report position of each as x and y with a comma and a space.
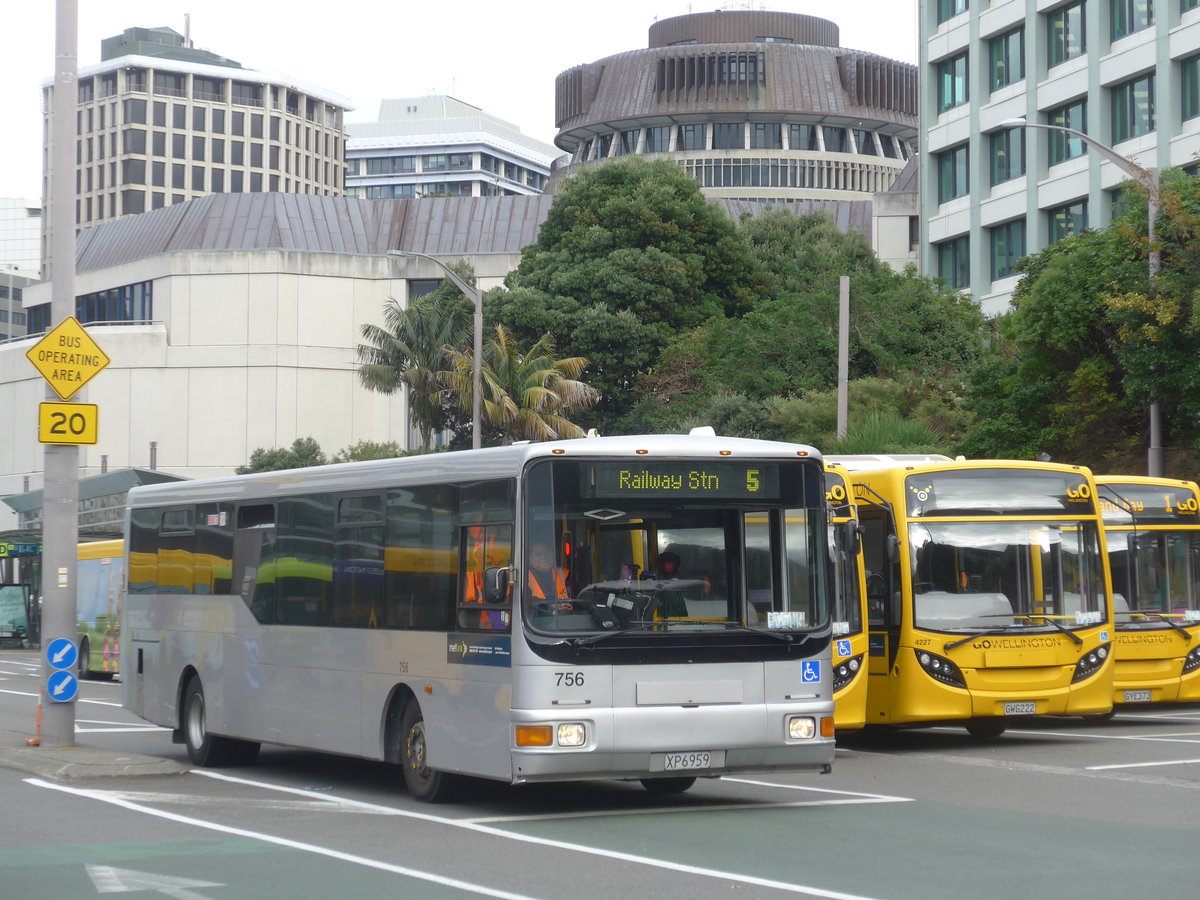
501, 57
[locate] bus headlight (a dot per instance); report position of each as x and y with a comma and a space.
1192, 661
801, 728
844, 672
941, 669
572, 734
534, 736
1089, 664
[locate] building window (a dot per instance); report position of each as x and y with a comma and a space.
211, 89
1067, 32
168, 84
135, 112
658, 139
1132, 108
244, 94
128, 303
1185, 5
1007, 64
729, 136
1190, 87
1067, 146
628, 142
802, 137
954, 173
836, 140
134, 140
954, 262
692, 137
1129, 16
865, 142
952, 82
1008, 246
766, 136
1067, 220
948, 9
1007, 152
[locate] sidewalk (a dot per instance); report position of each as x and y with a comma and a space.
79, 761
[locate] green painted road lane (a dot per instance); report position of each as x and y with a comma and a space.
901, 851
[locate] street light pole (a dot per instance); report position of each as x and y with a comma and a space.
1149, 179
476, 297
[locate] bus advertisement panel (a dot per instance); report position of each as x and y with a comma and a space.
1152, 530
652, 608
988, 593
99, 582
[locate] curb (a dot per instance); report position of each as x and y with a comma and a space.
80, 762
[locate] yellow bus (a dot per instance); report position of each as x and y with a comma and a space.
849, 604
99, 581
988, 593
1152, 529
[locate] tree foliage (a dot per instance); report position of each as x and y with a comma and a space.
303, 453
1091, 342
527, 393
409, 351
630, 254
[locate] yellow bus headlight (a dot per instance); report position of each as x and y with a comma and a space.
534, 736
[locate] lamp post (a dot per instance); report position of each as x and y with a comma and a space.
1149, 179
477, 371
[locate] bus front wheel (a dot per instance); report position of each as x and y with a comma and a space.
667, 785
985, 729
424, 784
206, 749
85, 660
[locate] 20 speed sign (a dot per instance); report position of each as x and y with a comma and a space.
68, 423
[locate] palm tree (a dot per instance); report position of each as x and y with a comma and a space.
409, 350
527, 393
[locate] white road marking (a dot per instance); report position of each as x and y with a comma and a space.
469, 825
1146, 765
107, 797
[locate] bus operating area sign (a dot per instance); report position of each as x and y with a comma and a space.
67, 357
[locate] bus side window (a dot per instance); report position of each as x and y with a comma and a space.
253, 544
882, 583
484, 547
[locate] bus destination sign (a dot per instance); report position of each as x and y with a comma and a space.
713, 480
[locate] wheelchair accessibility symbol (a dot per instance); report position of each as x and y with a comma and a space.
811, 673
843, 649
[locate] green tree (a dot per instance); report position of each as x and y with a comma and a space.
361, 451
409, 351
527, 394
630, 254
303, 453
1091, 342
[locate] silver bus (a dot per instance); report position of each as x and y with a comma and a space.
393, 610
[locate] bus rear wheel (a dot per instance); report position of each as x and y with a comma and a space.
84, 664
424, 784
667, 785
210, 750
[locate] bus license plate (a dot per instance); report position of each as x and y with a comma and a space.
1137, 696
681, 762
1020, 708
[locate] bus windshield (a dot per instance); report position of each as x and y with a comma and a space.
654, 547
996, 575
1156, 577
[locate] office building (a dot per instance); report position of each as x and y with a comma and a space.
437, 146
160, 123
1124, 72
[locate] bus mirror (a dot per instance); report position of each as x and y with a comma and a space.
495, 585
850, 533
893, 548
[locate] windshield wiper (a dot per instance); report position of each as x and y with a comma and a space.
1053, 620
950, 645
1162, 618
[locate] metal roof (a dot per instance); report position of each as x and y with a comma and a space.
310, 224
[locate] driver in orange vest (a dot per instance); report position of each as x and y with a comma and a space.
546, 580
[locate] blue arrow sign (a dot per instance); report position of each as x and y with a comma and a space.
61, 653
62, 686
811, 673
